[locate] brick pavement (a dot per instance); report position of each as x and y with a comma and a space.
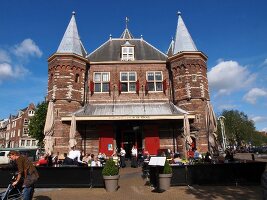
132, 186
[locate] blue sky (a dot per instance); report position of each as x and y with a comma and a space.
233, 34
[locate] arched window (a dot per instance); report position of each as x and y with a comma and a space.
77, 77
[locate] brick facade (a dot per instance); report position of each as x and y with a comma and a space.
186, 86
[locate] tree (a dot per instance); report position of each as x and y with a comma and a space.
37, 123
238, 128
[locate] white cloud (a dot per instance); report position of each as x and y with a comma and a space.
7, 71
264, 62
264, 129
226, 107
27, 48
4, 57
254, 94
259, 119
229, 76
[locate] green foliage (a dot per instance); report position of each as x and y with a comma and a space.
259, 139
110, 169
240, 130
37, 123
167, 168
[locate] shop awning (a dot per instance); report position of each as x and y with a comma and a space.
129, 111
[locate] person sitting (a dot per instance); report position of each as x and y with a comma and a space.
55, 159
196, 155
115, 158
42, 161
95, 161
86, 158
177, 159
207, 158
74, 157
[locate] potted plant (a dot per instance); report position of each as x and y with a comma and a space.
111, 176
165, 176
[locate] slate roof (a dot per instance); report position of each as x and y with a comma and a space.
130, 109
111, 49
183, 40
71, 42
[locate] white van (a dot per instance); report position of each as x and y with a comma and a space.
29, 152
3, 157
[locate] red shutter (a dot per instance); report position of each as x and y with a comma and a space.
92, 87
119, 87
164, 83
137, 87
109, 89
146, 88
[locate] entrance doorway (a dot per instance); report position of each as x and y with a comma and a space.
127, 137
128, 140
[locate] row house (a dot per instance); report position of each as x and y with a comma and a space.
16, 133
3, 127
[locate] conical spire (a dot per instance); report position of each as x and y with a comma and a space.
183, 40
126, 33
71, 42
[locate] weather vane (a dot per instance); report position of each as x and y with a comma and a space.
127, 20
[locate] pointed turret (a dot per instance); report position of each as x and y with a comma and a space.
183, 40
71, 42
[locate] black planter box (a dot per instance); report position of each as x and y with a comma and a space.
214, 174
61, 177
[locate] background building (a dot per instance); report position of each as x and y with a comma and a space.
16, 131
127, 92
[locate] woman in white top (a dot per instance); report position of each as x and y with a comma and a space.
122, 160
134, 157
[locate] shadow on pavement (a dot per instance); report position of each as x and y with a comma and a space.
41, 197
229, 193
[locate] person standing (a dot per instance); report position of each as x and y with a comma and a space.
134, 157
26, 171
122, 154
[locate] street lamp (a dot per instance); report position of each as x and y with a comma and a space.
224, 141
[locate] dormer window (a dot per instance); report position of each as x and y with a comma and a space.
127, 52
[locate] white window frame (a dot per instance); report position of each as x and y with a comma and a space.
101, 82
22, 143
26, 122
128, 82
31, 112
155, 82
28, 143
127, 53
25, 130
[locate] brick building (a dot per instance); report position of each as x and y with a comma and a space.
16, 131
127, 92
3, 127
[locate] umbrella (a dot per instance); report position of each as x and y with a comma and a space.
211, 127
186, 133
49, 128
49, 144
72, 141
49, 121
